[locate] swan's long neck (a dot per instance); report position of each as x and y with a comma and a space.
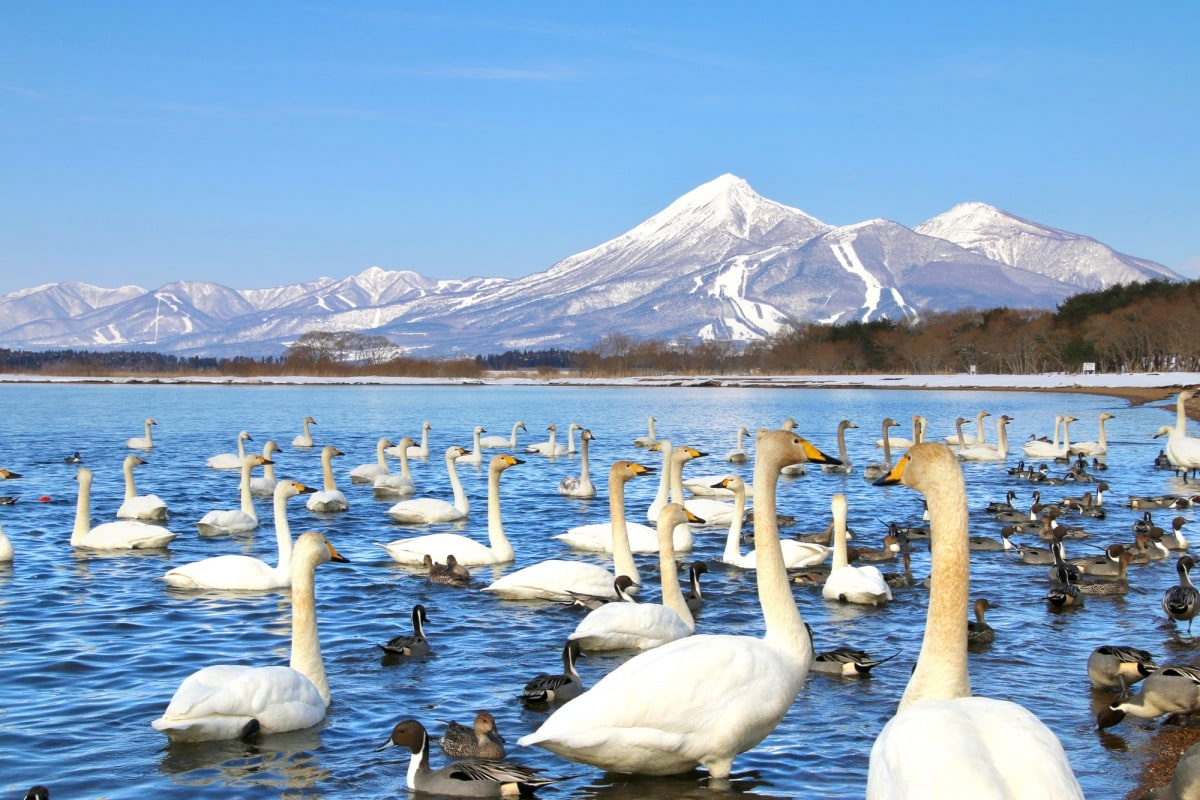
425, 438
404, 470
83, 509
980, 436
512, 440
241, 447
381, 457
571, 440
840, 558
306, 643
1103, 435
244, 490
672, 595
843, 454
330, 484
460, 496
501, 547
664, 480
783, 622
1002, 435
1057, 424
130, 487
941, 672
269, 467
283, 532
733, 541
1066, 443
678, 457
650, 422
1181, 414
887, 453
149, 438
623, 563
584, 474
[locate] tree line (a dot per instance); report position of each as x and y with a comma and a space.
1139, 327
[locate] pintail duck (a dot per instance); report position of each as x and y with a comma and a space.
467, 778
988, 543
893, 543
415, 645
1170, 690
977, 629
1183, 601
593, 601
565, 686
1108, 584
694, 598
1114, 666
480, 741
996, 506
1063, 593
845, 662
1175, 540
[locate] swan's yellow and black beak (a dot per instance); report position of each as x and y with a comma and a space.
302, 489
640, 469
816, 456
334, 555
895, 473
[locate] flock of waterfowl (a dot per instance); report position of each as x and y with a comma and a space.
684, 698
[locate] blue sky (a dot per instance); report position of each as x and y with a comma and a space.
261, 143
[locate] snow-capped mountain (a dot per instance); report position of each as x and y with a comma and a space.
721, 262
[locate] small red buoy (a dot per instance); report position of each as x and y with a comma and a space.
44, 499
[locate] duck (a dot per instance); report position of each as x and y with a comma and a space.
642, 626
1169, 690
893, 542
304, 438
145, 442
1093, 448
463, 778
75, 458
738, 454
877, 469
230, 701
796, 554
1183, 601
845, 467
391, 484
846, 583
987, 543
264, 485
580, 486
241, 572
1176, 540
1112, 667
1185, 780
426, 510
649, 440
330, 500
237, 520
593, 601
944, 742
657, 713
414, 645
139, 506
986, 452
468, 551
414, 450
548, 447
492, 442
452, 572
844, 662
481, 740
556, 579
694, 596
126, 534
978, 629
475, 454
1063, 594
37, 792
367, 473
545, 689
231, 460
1108, 584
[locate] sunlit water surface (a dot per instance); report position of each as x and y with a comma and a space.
92, 646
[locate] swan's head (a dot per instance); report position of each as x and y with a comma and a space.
503, 462
624, 470
315, 546
921, 465
133, 461
405, 442
733, 483
309, 421
271, 447
521, 425
287, 489
329, 451
587, 434
454, 451
245, 437
150, 421
1164, 430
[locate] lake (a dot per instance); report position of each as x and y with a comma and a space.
92, 646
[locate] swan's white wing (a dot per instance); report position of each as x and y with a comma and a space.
227, 572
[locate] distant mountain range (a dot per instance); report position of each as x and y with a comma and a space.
721, 262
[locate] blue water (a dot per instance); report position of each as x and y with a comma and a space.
92, 647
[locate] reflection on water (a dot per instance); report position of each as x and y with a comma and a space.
92, 645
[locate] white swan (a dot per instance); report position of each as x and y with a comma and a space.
702, 699
424, 510
944, 743
231, 460
415, 450
330, 500
239, 520
1093, 448
738, 454
598, 536
474, 455
649, 440
978, 437
670, 485
574, 426
845, 467
230, 701
304, 439
466, 550
139, 506
1040, 449
548, 447
985, 451
123, 535
367, 473
264, 485
142, 442
393, 485
556, 579
795, 554
641, 626
6, 548
500, 441
581, 485
239, 572
1183, 451
918, 434
863, 585
877, 469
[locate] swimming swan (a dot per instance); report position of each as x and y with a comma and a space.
702, 699
139, 506
548, 447
641, 626
466, 550
987, 452
1183, 451
305, 438
264, 486
475, 454
1093, 448
330, 500
795, 554
393, 485
239, 520
239, 572
414, 451
500, 441
942, 742
231, 460
1040, 449
557, 579
862, 585
580, 486
845, 467
367, 473
649, 440
425, 510
230, 701
126, 534
6, 548
142, 442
